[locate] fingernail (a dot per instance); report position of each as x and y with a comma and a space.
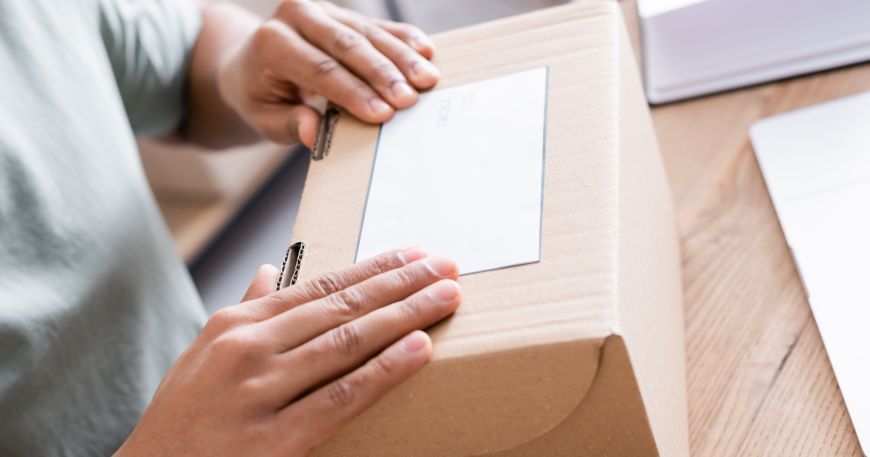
444, 291
422, 42
379, 106
414, 342
421, 67
401, 89
441, 266
411, 254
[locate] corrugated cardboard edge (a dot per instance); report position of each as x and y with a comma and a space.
445, 394
609, 421
651, 310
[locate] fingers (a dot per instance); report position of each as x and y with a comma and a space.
412, 36
245, 312
348, 346
263, 283
419, 71
369, 68
313, 69
302, 323
322, 286
292, 58
356, 53
286, 124
329, 408
416, 67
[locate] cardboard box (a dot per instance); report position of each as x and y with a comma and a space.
578, 354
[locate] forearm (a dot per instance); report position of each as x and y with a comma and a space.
210, 121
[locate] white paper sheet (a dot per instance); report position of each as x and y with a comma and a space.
460, 174
816, 162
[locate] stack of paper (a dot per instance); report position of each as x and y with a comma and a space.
695, 47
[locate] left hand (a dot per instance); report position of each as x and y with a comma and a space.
368, 67
283, 371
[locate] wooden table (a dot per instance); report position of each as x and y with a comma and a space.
759, 379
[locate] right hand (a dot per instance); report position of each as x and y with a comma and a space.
369, 67
282, 371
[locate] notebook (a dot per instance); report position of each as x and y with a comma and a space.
696, 47
816, 163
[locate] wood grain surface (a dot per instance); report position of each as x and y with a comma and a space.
759, 379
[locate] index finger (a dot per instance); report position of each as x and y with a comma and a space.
329, 283
415, 66
327, 409
356, 53
290, 57
302, 323
411, 35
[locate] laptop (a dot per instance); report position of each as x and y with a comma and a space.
816, 163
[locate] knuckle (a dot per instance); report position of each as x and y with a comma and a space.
222, 320
289, 8
267, 32
325, 67
386, 72
345, 41
252, 388
371, 32
383, 264
348, 303
275, 303
346, 339
410, 309
384, 365
322, 348
342, 393
243, 347
360, 94
405, 278
409, 59
327, 284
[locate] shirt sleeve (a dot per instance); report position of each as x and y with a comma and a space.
149, 43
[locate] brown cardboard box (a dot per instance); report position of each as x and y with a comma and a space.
580, 353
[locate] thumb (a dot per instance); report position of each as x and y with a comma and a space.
263, 284
287, 124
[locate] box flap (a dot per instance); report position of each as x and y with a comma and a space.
522, 350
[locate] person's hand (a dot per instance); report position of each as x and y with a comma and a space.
368, 67
282, 371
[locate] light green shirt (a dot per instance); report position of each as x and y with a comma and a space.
95, 304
